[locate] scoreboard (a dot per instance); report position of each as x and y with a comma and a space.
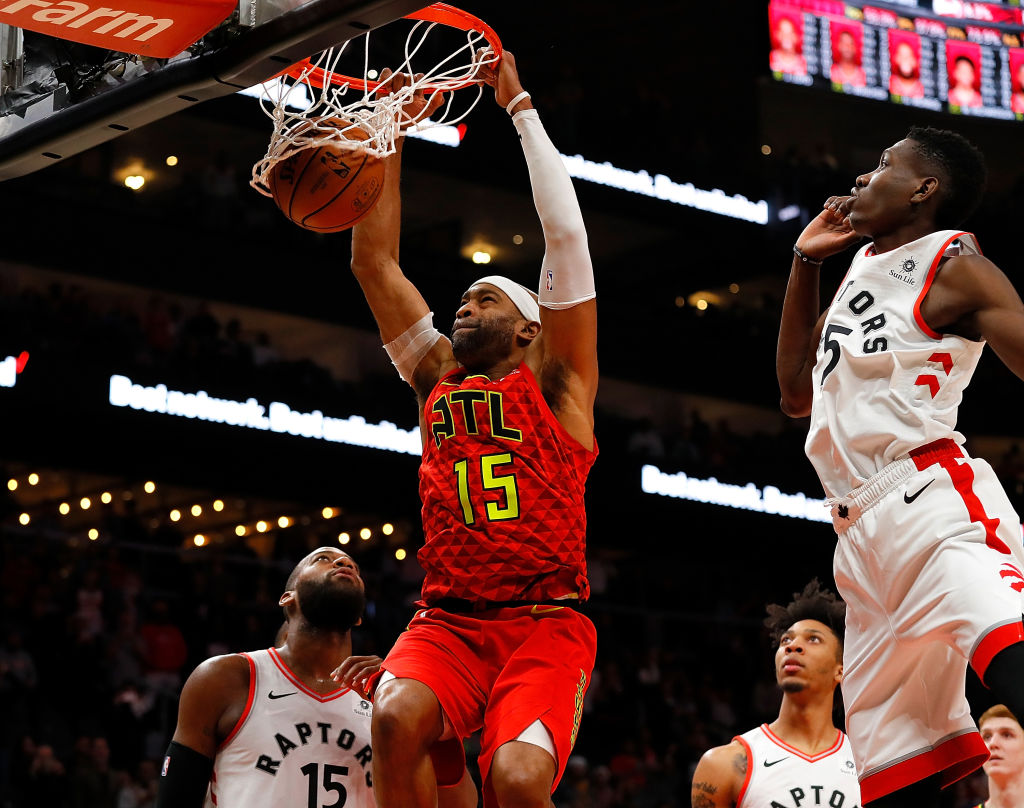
961, 57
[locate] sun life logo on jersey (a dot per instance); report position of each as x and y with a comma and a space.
363, 709
904, 273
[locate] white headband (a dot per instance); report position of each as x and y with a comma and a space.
523, 298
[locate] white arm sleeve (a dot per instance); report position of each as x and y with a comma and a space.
408, 349
567, 274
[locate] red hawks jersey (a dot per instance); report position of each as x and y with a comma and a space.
502, 488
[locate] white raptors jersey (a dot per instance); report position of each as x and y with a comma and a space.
884, 382
294, 747
781, 776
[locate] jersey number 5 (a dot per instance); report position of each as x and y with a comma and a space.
330, 784
833, 347
495, 511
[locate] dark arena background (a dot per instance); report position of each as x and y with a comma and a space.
138, 538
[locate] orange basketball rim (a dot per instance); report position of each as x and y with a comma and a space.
436, 13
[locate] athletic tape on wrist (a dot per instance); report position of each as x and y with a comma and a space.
512, 104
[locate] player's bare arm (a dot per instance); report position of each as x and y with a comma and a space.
212, 702
395, 302
972, 298
566, 365
802, 319
719, 776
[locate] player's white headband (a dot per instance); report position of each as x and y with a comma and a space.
522, 297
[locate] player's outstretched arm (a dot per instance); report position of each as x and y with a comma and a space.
421, 354
211, 701
827, 234
972, 297
567, 294
719, 776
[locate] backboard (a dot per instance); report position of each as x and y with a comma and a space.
61, 97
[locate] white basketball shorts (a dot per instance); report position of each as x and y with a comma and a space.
930, 563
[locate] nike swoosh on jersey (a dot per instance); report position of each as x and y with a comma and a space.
273, 695
908, 498
537, 609
773, 762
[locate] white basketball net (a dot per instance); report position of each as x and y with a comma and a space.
379, 115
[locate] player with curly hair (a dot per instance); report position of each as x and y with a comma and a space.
801, 758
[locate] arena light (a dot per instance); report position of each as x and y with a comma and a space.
327, 513
199, 540
135, 181
365, 534
85, 503
172, 160
747, 497
10, 367
240, 530
106, 497
33, 479
12, 484
481, 257
387, 528
284, 521
277, 417
262, 527
661, 187
344, 538
64, 508
197, 510
24, 519
218, 505
175, 515
149, 487
93, 534
400, 554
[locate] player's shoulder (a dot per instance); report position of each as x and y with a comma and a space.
973, 275
729, 760
222, 673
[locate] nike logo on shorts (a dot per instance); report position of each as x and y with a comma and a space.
908, 498
773, 762
273, 695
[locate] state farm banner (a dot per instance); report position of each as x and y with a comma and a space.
158, 28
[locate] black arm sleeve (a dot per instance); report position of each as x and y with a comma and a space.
184, 779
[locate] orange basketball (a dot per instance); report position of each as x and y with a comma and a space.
328, 188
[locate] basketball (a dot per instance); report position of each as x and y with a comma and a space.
328, 188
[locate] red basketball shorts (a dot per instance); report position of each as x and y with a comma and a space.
500, 670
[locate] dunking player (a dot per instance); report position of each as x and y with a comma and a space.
800, 758
929, 557
268, 728
506, 411
1004, 737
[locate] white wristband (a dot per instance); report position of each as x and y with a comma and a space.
516, 100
